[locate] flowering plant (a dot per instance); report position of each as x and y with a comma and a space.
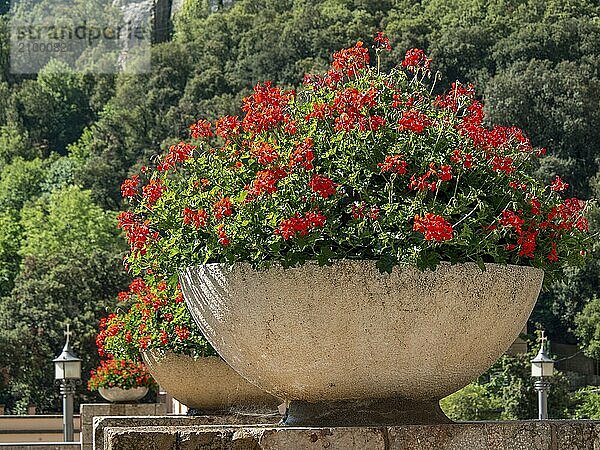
120, 373
359, 164
151, 315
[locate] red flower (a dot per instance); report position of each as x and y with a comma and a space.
153, 191
182, 332
265, 182
291, 127
201, 129
222, 236
393, 163
177, 153
322, 185
297, 224
511, 219
138, 286
264, 153
144, 341
421, 183
164, 338
376, 122
451, 99
414, 121
350, 60
514, 185
227, 126
535, 206
222, 208
416, 59
265, 108
303, 155
502, 164
445, 173
129, 186
197, 218
558, 184
383, 41
433, 227
553, 256
527, 241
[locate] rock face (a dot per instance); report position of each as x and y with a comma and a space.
158, 14
323, 337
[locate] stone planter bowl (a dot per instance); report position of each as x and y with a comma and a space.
347, 345
118, 395
206, 384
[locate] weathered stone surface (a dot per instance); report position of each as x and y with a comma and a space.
91, 410
154, 438
207, 384
101, 424
518, 435
346, 331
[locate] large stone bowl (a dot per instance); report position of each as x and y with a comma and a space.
348, 345
206, 384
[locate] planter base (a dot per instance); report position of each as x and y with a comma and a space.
371, 412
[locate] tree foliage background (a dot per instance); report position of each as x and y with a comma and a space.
68, 139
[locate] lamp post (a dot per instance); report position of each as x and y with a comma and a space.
542, 367
67, 372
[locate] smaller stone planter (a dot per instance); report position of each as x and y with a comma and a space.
118, 395
206, 384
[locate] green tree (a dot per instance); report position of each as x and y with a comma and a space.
54, 108
70, 271
505, 392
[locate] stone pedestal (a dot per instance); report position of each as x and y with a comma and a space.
518, 435
89, 411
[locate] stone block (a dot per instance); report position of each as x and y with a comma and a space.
153, 438
517, 435
177, 422
323, 438
91, 410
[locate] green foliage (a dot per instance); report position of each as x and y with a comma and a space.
21, 181
588, 328
371, 160
10, 236
473, 402
53, 108
151, 316
13, 143
505, 392
535, 61
586, 404
69, 270
67, 221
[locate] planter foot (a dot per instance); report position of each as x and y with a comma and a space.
371, 412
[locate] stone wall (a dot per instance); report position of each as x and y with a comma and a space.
518, 435
90, 411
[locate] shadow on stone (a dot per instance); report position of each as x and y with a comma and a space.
371, 412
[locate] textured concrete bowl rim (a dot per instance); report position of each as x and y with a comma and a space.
278, 265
